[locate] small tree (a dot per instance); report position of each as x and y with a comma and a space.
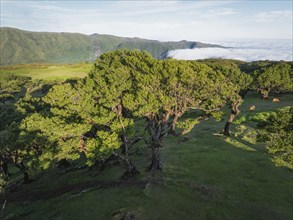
239, 81
276, 77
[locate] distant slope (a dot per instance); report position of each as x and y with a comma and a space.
20, 47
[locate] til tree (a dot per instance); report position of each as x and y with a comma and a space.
276, 77
240, 82
164, 90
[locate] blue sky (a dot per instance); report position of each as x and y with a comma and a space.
162, 20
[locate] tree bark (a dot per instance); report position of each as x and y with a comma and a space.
234, 112
265, 94
173, 126
157, 130
125, 147
4, 166
26, 178
63, 163
156, 163
22, 168
130, 169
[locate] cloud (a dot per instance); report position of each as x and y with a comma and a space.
220, 12
273, 15
246, 51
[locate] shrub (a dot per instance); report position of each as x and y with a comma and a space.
277, 132
260, 117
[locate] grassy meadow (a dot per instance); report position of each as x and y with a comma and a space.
48, 72
204, 176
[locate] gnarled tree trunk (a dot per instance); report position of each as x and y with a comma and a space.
156, 163
4, 167
125, 147
23, 169
130, 169
158, 128
234, 112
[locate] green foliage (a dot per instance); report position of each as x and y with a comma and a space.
187, 125
260, 116
58, 128
217, 115
277, 132
276, 77
9, 128
10, 85
231, 70
240, 120
82, 117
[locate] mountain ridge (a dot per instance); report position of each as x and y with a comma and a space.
24, 47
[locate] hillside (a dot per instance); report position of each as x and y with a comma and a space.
20, 47
205, 177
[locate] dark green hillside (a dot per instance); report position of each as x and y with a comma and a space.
20, 47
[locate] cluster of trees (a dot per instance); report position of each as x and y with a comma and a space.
127, 97
270, 76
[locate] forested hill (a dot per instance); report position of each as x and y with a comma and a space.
19, 46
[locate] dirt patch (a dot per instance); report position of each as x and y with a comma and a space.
78, 188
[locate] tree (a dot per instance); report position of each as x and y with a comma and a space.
76, 121
166, 89
110, 80
9, 130
241, 83
12, 146
277, 132
12, 88
276, 77
56, 129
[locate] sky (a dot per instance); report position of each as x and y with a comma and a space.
160, 20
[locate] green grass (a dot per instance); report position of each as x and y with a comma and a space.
206, 177
49, 71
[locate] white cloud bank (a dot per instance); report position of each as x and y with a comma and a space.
246, 51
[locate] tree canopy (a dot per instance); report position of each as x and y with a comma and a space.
276, 77
277, 132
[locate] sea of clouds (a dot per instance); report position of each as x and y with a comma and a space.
246, 50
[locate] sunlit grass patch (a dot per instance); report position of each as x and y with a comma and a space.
238, 144
49, 71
